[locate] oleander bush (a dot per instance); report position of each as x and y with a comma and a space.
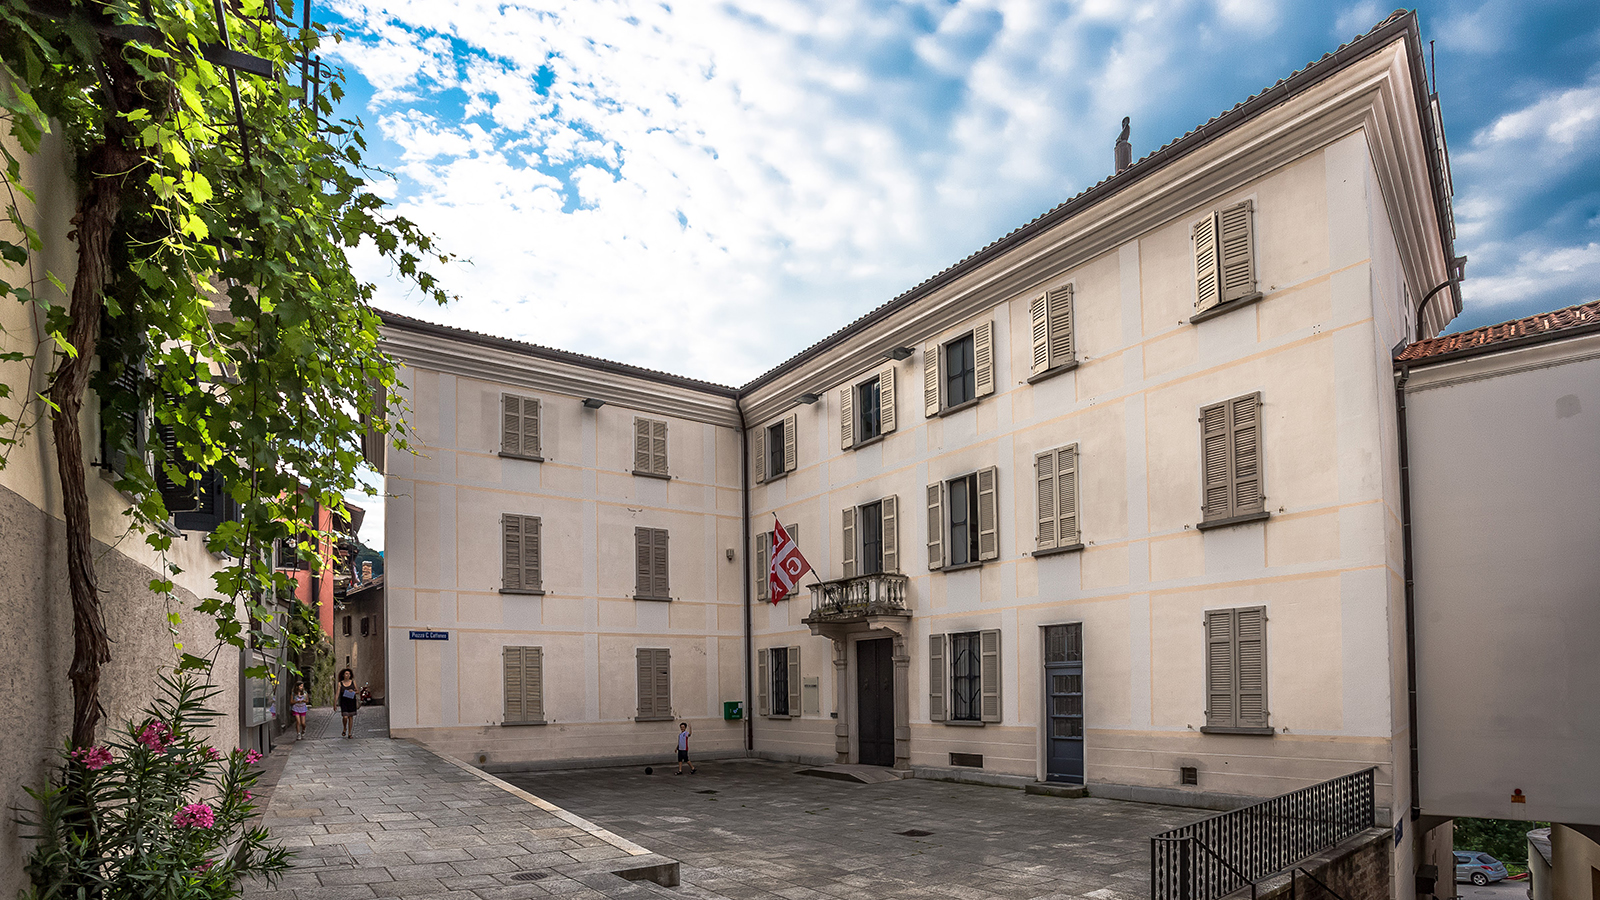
156, 812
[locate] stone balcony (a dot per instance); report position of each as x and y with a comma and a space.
862, 600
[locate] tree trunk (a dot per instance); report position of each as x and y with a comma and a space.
97, 215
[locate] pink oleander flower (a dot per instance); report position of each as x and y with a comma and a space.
195, 815
205, 865
212, 755
157, 736
93, 758
248, 795
251, 757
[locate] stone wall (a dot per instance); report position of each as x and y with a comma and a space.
1357, 869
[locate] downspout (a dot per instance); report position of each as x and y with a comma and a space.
744, 576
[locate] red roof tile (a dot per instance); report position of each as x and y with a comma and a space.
1489, 338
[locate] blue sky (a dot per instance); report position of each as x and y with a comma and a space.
707, 188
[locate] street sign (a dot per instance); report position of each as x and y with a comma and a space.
430, 635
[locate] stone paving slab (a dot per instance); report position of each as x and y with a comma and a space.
372, 817
753, 830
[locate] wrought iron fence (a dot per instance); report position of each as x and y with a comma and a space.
1214, 857
849, 598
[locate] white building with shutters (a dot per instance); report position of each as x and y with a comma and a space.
1114, 501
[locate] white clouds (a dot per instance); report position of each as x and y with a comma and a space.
1541, 272
1357, 19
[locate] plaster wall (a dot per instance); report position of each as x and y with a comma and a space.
1574, 865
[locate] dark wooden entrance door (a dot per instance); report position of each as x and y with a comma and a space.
875, 702
1063, 691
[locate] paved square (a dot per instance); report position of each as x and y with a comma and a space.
750, 829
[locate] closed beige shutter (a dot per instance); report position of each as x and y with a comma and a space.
533, 683
936, 678
1215, 451
663, 683
794, 682
850, 542
988, 513
647, 680
375, 442
890, 506
1237, 253
1067, 532
512, 686
530, 427
1244, 423
641, 445
1061, 331
658, 563
761, 455
1039, 319
1250, 660
936, 525
511, 424
511, 541
761, 564
532, 577
983, 358
1044, 481
1220, 683
643, 580
989, 674
658, 448
886, 420
1208, 287
790, 459
930, 379
847, 417
763, 684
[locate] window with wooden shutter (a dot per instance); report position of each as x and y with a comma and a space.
1224, 255
1051, 318
1044, 481
849, 528
847, 418
1055, 474
180, 494
760, 574
988, 513
989, 674
886, 412
123, 415
374, 438
654, 684
1230, 446
983, 358
763, 683
936, 526
649, 447
937, 709
931, 379
524, 685
760, 443
650, 564
889, 513
794, 681
791, 458
1236, 669
521, 569
519, 427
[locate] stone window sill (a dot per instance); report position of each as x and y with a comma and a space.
771, 478
526, 456
652, 475
1230, 729
522, 724
1051, 373
524, 592
1232, 520
965, 723
647, 597
654, 718
963, 567
965, 404
867, 442
1223, 309
1052, 551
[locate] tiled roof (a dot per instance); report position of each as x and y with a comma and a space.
1489, 338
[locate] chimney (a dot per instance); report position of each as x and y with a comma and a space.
366, 571
1124, 149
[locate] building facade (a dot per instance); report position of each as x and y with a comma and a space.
1113, 501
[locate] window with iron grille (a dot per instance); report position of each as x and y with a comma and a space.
780, 681
966, 677
1063, 643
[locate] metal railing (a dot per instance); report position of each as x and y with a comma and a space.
1214, 857
854, 598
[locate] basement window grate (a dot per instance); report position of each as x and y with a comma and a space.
530, 876
914, 832
705, 792
1188, 775
967, 760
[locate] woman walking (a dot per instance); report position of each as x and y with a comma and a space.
349, 701
299, 706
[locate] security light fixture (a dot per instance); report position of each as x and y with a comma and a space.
593, 403
899, 353
807, 399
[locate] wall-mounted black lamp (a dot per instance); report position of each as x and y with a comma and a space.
593, 403
899, 353
807, 399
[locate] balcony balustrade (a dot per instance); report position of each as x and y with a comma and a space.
855, 599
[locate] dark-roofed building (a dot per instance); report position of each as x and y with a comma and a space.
1114, 502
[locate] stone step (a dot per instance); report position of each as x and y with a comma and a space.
857, 774
1071, 791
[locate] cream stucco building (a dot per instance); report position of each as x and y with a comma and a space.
1114, 501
